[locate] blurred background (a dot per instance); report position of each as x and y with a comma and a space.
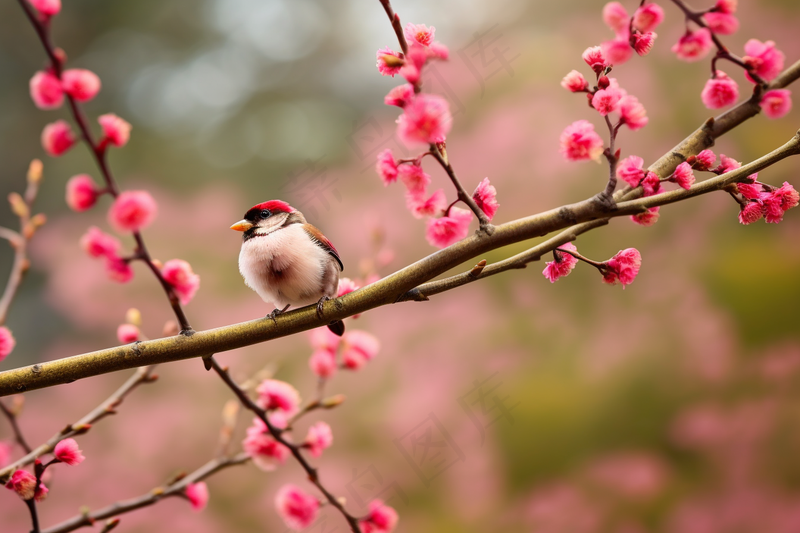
510, 404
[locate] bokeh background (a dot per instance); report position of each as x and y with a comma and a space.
670, 406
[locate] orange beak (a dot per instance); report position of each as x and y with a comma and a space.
242, 225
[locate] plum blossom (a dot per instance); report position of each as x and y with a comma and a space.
47, 7
415, 179
580, 142
776, 103
683, 175
132, 211
648, 218
616, 17
266, 452
630, 170
623, 267
648, 17
705, 160
82, 192
346, 286
721, 23
593, 56
444, 231
380, 519
116, 130
127, 333
607, 100
46, 91
485, 195
421, 207
274, 394
57, 138
562, 265
358, 347
632, 112
67, 452
387, 167
415, 59
323, 363
419, 33
720, 91
438, 51
197, 494
574, 82
24, 484
765, 60
389, 61
178, 273
297, 509
726, 164
643, 42
81, 84
400, 95
751, 212
319, 438
118, 269
778, 201
426, 119
7, 342
617, 51
96, 243
324, 339
693, 45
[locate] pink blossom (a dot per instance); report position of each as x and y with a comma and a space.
632, 112
389, 61
197, 493
24, 484
630, 170
765, 60
721, 23
752, 212
274, 394
346, 286
178, 273
98, 244
439, 51
415, 179
574, 82
419, 33
651, 185
705, 160
400, 95
323, 363
778, 201
67, 452
648, 17
643, 42
623, 267
726, 6
776, 103
616, 17
580, 142
593, 56
266, 452
132, 211
421, 207
726, 164
47, 7
720, 92
444, 231
298, 509
617, 51
485, 195
323, 339
426, 119
81, 84
750, 191
387, 167
319, 438
381, 518
6, 447
7, 342
683, 175
46, 91
648, 218
694, 45
563, 264
607, 100
119, 270
415, 59
127, 333
82, 192
116, 130
359, 347
57, 138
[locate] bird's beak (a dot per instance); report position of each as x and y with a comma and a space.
242, 225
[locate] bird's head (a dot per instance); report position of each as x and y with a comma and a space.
267, 217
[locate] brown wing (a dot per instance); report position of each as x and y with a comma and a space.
317, 236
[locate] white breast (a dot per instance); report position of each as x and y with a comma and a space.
284, 267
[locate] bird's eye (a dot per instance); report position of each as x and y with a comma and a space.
265, 213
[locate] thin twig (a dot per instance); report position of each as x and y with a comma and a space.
441, 156
12, 419
394, 18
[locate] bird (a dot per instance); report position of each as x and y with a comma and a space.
286, 260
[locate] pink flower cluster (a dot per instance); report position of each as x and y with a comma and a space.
357, 348
24, 484
7, 342
764, 201
562, 265
47, 90
297, 508
635, 33
266, 452
58, 137
96, 243
380, 519
623, 267
178, 273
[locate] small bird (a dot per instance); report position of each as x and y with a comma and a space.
286, 260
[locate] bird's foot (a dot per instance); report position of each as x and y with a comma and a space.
319, 305
275, 312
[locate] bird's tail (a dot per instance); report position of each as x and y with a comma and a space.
337, 327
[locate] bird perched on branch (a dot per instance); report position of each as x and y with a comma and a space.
286, 260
